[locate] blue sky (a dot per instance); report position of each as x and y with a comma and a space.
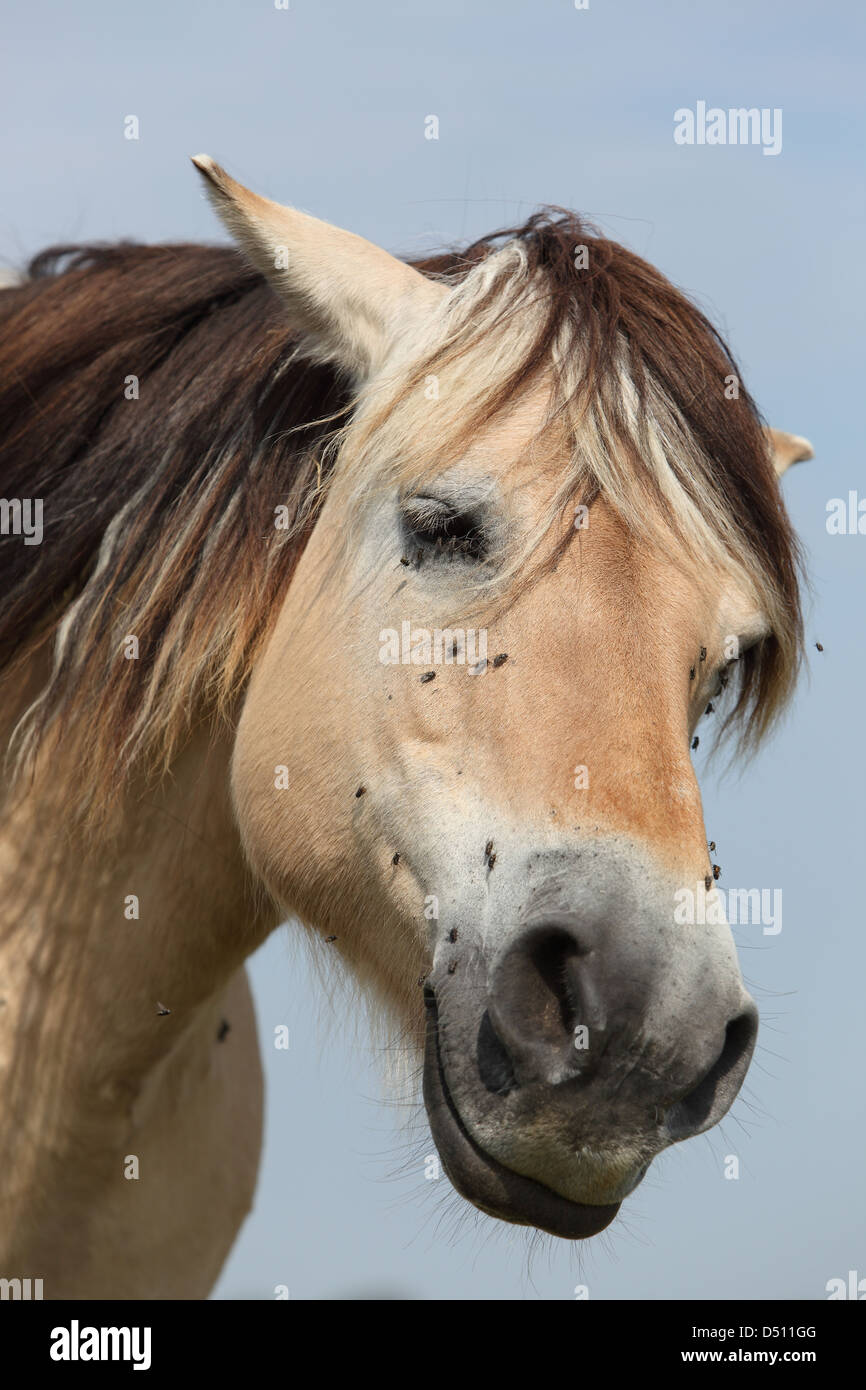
323, 106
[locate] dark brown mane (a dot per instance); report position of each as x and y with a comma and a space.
205, 336
231, 421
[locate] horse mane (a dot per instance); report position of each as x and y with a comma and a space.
159, 502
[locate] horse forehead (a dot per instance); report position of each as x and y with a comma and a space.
520, 441
525, 424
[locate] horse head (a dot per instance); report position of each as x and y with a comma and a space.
550, 536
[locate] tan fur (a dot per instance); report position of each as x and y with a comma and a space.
601, 627
788, 449
627, 619
351, 295
90, 1073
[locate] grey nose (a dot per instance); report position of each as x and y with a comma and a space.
576, 1004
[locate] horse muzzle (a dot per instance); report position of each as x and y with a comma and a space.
563, 1056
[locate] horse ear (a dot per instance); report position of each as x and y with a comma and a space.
787, 449
352, 297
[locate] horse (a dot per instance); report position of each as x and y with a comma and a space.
254, 465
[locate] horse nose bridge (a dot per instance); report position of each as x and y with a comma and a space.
652, 795
636, 785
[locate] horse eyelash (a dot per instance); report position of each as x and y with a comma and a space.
435, 524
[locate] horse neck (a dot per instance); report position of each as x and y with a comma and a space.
101, 930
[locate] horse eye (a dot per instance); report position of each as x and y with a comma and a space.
440, 527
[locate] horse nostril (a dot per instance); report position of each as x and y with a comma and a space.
538, 996
494, 1064
707, 1102
550, 955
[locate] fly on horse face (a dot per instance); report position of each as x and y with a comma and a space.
254, 464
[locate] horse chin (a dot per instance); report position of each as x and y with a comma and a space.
486, 1182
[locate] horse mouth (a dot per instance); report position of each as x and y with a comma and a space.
486, 1182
